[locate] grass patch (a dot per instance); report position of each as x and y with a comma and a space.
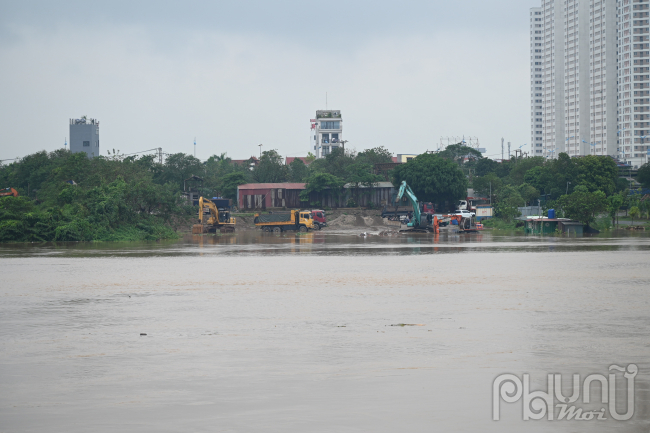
499, 224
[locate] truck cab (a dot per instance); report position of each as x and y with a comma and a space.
306, 220
319, 218
428, 208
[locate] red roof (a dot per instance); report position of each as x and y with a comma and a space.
290, 159
272, 186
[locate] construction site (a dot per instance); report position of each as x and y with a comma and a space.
403, 215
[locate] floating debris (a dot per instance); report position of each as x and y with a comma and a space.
142, 333
408, 324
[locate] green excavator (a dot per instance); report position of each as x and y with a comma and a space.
420, 223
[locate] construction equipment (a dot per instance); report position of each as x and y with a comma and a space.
220, 218
420, 223
320, 219
285, 221
9, 192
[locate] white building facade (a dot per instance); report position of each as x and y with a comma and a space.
573, 78
634, 81
84, 136
328, 132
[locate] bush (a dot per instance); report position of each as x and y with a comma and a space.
500, 224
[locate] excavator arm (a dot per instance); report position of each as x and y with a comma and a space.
405, 190
12, 193
214, 219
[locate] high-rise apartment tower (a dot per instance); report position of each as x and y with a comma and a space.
573, 77
634, 81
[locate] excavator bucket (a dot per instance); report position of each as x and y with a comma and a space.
198, 229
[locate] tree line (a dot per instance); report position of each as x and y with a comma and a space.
69, 197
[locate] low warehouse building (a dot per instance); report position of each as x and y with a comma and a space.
269, 195
287, 195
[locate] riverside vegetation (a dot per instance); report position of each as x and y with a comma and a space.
68, 197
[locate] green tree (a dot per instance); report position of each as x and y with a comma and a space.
360, 175
634, 213
335, 163
521, 166
597, 173
458, 152
229, 184
614, 203
583, 205
529, 193
178, 167
488, 184
319, 182
644, 207
485, 166
298, 171
508, 201
376, 155
432, 178
643, 175
271, 168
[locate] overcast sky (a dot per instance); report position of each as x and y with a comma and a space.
239, 73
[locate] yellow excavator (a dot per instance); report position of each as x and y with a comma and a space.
220, 218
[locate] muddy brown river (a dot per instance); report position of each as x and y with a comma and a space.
327, 332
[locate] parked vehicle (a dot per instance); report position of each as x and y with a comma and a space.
465, 213
397, 213
277, 222
470, 203
319, 218
427, 208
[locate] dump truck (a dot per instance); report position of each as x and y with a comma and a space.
278, 222
320, 220
219, 219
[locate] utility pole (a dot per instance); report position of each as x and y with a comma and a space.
194, 147
501, 149
260, 151
160, 155
509, 154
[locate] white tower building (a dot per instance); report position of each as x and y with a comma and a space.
84, 136
328, 132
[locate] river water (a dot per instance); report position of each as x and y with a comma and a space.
295, 333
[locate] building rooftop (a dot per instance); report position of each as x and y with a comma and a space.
272, 186
328, 114
290, 159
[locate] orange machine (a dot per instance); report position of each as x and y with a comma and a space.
9, 192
